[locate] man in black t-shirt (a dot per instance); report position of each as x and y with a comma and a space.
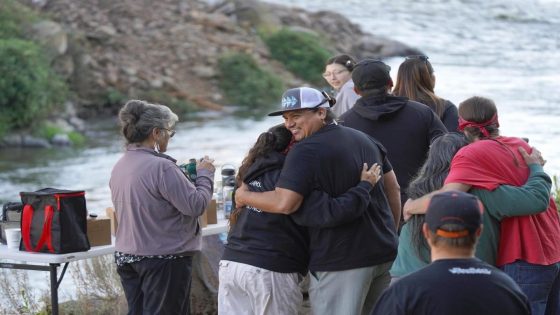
350, 260
455, 282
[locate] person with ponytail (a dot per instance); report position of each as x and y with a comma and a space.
530, 198
528, 249
266, 254
157, 208
338, 74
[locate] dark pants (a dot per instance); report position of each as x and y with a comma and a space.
157, 286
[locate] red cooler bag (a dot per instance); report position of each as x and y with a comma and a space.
54, 221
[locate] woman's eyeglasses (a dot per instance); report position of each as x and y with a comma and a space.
171, 132
336, 73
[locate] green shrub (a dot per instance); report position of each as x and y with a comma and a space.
301, 53
76, 138
29, 89
246, 84
115, 97
47, 131
14, 19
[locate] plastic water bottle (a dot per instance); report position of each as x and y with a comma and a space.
228, 201
191, 169
228, 184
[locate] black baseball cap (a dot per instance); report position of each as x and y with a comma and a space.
455, 207
303, 98
370, 74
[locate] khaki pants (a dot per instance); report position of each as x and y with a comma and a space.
353, 291
248, 290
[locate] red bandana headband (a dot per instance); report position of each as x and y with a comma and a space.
481, 126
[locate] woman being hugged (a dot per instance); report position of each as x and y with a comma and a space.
338, 73
157, 209
416, 80
504, 201
528, 249
267, 255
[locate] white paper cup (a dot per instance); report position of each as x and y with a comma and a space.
13, 237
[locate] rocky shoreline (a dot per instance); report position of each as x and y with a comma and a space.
104, 48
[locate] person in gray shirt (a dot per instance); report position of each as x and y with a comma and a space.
157, 208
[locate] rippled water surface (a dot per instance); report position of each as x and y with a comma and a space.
508, 50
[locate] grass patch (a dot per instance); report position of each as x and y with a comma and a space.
48, 131
77, 138
302, 53
98, 290
247, 85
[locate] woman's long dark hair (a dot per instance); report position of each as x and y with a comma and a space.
430, 177
277, 138
415, 80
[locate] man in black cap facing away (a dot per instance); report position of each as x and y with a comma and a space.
455, 282
405, 128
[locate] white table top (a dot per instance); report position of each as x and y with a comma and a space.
15, 254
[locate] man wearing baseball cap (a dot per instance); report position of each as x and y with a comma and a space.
350, 259
455, 282
405, 128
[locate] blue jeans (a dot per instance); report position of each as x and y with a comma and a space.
540, 283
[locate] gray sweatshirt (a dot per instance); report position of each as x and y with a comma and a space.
157, 207
345, 98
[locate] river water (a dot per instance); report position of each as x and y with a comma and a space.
508, 50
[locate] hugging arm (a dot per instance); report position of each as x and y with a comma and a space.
531, 198
322, 211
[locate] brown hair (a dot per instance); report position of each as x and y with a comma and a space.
344, 60
277, 138
416, 81
479, 109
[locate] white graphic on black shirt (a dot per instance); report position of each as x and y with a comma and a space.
470, 271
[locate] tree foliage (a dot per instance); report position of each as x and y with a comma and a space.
29, 89
246, 84
301, 53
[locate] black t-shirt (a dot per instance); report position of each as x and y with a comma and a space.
266, 240
454, 286
331, 160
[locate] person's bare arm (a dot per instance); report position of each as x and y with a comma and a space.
420, 205
279, 200
393, 193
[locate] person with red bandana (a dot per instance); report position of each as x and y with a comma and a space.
528, 250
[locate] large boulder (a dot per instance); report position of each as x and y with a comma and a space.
51, 36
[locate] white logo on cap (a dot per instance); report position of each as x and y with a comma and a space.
289, 101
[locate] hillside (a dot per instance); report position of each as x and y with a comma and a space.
174, 45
